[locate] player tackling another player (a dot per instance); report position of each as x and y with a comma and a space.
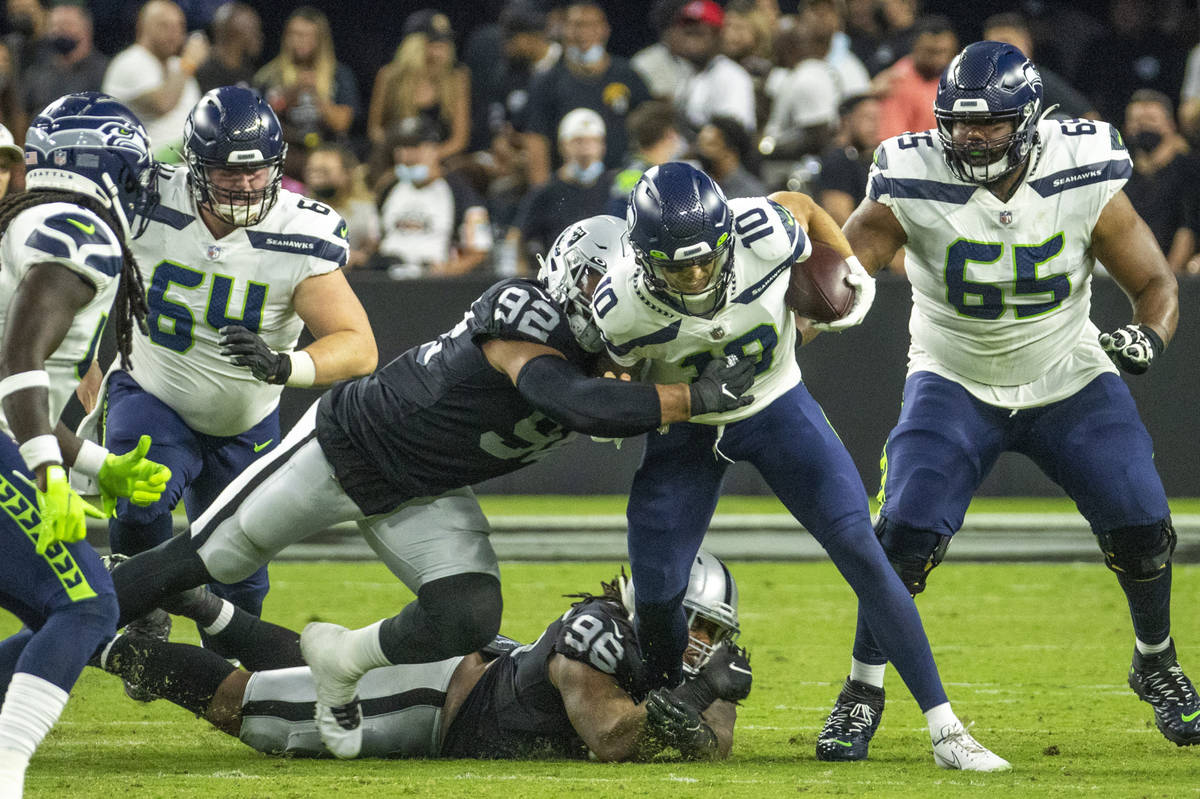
1003, 215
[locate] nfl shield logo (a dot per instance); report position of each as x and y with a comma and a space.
1006, 217
214, 252
60, 157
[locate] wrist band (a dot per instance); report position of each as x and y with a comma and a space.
41, 449
90, 459
304, 371
36, 378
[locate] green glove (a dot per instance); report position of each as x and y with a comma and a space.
62, 511
132, 475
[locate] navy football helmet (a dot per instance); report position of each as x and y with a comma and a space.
91, 144
588, 246
233, 128
679, 222
990, 82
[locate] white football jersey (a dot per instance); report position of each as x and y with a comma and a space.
753, 322
197, 284
1002, 289
63, 233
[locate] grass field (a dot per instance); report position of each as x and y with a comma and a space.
1035, 655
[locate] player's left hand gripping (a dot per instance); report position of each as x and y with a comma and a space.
722, 384
864, 296
1132, 347
62, 511
248, 349
132, 475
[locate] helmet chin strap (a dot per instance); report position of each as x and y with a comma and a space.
114, 204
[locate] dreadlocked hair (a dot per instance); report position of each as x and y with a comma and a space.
129, 307
616, 591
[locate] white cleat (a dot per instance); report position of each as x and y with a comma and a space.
955, 748
338, 715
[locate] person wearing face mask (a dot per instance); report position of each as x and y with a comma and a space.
433, 224
332, 175
654, 128
587, 76
26, 26
69, 63
1163, 187
579, 188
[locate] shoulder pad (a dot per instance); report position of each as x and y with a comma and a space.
1077, 153
592, 633
68, 233
303, 227
767, 228
521, 310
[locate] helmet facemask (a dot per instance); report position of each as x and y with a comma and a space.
579, 257
669, 279
238, 207
984, 161
711, 604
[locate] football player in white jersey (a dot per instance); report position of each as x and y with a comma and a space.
708, 281
235, 266
1003, 215
64, 262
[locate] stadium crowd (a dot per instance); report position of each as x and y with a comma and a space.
470, 151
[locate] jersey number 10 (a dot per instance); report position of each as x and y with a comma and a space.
179, 336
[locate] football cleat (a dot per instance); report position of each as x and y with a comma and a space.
338, 715
852, 722
155, 624
953, 747
1160, 681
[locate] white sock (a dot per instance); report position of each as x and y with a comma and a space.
938, 717
31, 707
867, 672
222, 620
12, 773
363, 651
1153, 649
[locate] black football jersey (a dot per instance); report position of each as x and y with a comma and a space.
515, 712
440, 416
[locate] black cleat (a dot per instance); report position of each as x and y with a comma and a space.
852, 723
1160, 681
155, 624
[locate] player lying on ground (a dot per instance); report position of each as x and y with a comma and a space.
1003, 216
578, 688
397, 451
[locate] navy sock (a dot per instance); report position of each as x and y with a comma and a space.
130, 537
866, 650
1149, 605
662, 632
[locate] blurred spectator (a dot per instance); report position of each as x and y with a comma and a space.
823, 20
586, 77
804, 113
1135, 52
864, 30
579, 188
720, 86
528, 53
334, 176
154, 76
508, 181
237, 43
899, 33
908, 88
424, 80
722, 146
12, 160
315, 96
842, 181
27, 22
1011, 28
1165, 185
660, 64
1189, 97
746, 38
69, 63
432, 225
12, 110
654, 129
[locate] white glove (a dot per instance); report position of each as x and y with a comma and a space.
864, 295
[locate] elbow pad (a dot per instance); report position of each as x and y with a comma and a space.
596, 406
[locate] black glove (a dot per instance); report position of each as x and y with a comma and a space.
726, 676
674, 724
248, 349
721, 385
1132, 347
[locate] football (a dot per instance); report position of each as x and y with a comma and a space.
817, 288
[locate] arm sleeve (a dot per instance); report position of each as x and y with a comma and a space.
594, 406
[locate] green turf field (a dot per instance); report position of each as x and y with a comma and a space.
1035, 655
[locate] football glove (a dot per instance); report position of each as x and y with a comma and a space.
720, 386
61, 510
248, 349
864, 296
726, 676
132, 475
675, 724
1132, 347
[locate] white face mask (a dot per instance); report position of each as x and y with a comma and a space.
586, 175
585, 57
417, 173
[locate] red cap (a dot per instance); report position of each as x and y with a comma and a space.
705, 11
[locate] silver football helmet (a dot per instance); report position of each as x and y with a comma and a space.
590, 245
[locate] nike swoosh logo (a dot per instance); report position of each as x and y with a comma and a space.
1189, 717
259, 447
88, 229
846, 744
740, 670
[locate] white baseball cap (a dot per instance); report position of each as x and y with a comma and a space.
8, 147
580, 122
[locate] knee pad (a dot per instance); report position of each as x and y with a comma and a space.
465, 609
1140, 553
913, 553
